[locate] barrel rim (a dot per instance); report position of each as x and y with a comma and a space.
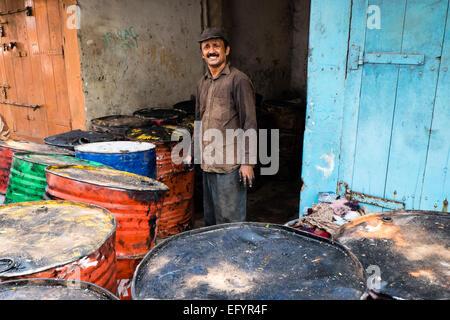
58, 283
156, 183
21, 156
150, 146
362, 273
174, 117
63, 151
59, 264
115, 116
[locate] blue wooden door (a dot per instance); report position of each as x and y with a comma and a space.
395, 138
378, 112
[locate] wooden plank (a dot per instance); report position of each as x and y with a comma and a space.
423, 33
43, 34
73, 72
377, 103
352, 94
13, 73
62, 116
35, 61
329, 31
5, 110
436, 186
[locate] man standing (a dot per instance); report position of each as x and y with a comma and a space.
225, 101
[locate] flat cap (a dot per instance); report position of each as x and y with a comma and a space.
212, 33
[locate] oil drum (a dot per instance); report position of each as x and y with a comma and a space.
27, 181
135, 201
69, 140
53, 289
177, 214
58, 239
118, 125
131, 156
160, 116
406, 254
9, 147
250, 261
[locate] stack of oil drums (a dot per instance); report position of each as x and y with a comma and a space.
96, 226
288, 117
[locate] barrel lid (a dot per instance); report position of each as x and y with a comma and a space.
160, 113
115, 147
41, 235
106, 177
163, 134
53, 289
410, 248
120, 122
74, 138
55, 160
26, 146
250, 261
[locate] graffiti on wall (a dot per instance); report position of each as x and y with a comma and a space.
121, 40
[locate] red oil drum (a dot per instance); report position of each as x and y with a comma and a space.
134, 200
177, 214
126, 267
59, 240
9, 147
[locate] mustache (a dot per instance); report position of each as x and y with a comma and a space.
209, 55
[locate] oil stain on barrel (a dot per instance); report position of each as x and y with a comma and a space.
58, 239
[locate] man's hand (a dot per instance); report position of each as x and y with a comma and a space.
246, 175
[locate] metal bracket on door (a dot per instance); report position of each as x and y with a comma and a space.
21, 105
27, 9
344, 191
357, 58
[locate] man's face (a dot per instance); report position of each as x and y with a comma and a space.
214, 52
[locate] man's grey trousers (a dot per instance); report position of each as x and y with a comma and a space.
224, 198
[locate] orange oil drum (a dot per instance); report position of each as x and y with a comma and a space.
126, 267
177, 214
134, 200
10, 147
58, 240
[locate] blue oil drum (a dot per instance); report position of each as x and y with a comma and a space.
130, 156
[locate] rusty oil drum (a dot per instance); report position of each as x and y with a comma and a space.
407, 253
134, 200
58, 239
177, 214
251, 261
9, 147
53, 289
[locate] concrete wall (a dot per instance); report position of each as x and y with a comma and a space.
138, 53
260, 33
269, 42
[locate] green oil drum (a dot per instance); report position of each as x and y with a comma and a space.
27, 180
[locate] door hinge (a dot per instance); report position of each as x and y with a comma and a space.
358, 57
